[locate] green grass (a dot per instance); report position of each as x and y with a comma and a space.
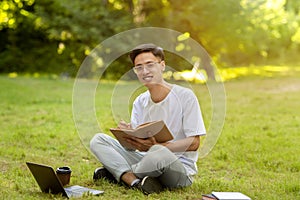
257, 152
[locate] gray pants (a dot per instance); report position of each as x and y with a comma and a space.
158, 162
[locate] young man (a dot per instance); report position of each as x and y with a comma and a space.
154, 166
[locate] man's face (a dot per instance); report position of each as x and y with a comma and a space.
149, 69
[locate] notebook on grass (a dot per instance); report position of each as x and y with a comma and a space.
230, 196
47, 180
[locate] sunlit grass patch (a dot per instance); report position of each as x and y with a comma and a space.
13, 75
261, 71
231, 73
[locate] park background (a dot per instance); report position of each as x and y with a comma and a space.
255, 45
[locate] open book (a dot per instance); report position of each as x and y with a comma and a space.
157, 129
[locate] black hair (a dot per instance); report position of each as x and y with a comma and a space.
155, 50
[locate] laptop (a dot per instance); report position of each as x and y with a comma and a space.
46, 178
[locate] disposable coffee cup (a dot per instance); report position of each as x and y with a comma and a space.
64, 175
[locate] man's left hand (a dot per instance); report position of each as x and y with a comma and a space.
142, 144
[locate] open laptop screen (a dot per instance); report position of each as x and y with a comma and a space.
46, 178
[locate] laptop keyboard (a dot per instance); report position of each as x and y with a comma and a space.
77, 191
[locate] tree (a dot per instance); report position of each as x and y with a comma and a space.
79, 26
18, 36
55, 36
234, 32
60, 33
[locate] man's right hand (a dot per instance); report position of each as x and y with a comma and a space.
124, 125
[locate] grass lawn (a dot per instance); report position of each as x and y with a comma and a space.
257, 153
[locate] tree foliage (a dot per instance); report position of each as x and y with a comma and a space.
238, 32
56, 35
66, 32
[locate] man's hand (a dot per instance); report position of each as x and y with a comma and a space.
124, 125
141, 144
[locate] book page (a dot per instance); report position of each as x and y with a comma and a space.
158, 129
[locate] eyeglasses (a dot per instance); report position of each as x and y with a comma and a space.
149, 66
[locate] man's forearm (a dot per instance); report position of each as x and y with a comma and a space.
186, 144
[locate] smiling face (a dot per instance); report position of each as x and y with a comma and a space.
153, 74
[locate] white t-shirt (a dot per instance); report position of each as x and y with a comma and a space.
180, 111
